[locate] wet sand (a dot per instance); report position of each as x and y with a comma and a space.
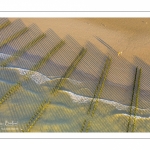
129, 35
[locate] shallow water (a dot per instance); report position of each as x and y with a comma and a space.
67, 110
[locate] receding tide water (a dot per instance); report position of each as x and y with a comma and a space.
67, 110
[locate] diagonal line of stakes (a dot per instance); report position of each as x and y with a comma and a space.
133, 91
26, 77
97, 94
54, 91
5, 24
135, 95
20, 52
14, 36
68, 71
36, 116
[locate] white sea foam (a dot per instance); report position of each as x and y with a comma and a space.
35, 76
83, 99
137, 117
4, 56
78, 98
40, 78
74, 81
115, 104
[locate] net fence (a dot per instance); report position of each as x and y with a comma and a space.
91, 83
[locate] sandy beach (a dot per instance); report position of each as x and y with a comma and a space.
129, 35
102, 37
109, 35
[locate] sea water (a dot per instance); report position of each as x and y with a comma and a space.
67, 110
